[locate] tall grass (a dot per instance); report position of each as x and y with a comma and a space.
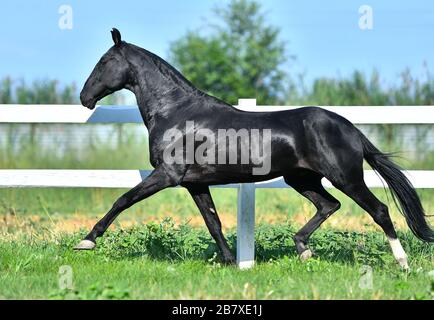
362, 89
73, 147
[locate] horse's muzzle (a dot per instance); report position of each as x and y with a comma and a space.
88, 103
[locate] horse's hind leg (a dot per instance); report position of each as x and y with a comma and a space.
204, 202
360, 193
309, 185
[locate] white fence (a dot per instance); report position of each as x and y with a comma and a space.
18, 178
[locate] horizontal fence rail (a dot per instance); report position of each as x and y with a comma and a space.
131, 114
18, 178
59, 178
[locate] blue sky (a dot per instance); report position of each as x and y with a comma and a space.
323, 34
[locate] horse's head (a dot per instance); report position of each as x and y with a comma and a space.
109, 75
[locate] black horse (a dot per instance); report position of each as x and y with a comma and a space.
305, 145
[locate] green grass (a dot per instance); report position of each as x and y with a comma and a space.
160, 261
278, 204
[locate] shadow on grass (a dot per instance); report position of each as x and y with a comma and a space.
167, 242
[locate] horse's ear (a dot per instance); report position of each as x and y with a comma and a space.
116, 35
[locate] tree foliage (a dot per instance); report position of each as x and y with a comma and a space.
39, 92
45, 92
241, 57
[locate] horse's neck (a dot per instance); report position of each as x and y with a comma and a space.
158, 95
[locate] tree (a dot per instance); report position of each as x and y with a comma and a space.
6, 90
39, 92
242, 57
46, 91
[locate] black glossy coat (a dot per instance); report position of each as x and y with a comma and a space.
307, 144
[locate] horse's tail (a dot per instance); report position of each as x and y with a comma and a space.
403, 193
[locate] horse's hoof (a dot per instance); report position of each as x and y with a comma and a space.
85, 245
404, 264
229, 261
305, 255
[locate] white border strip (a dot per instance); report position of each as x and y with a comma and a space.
131, 114
36, 178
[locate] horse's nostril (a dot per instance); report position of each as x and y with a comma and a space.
82, 99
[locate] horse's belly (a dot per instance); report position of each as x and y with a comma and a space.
224, 174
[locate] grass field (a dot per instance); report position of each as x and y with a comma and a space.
158, 261
146, 256
31, 211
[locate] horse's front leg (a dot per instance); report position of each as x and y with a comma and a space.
156, 181
204, 202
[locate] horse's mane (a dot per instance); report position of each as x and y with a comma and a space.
167, 70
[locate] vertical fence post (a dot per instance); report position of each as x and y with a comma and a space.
246, 216
246, 103
246, 226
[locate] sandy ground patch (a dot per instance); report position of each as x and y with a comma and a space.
36, 225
